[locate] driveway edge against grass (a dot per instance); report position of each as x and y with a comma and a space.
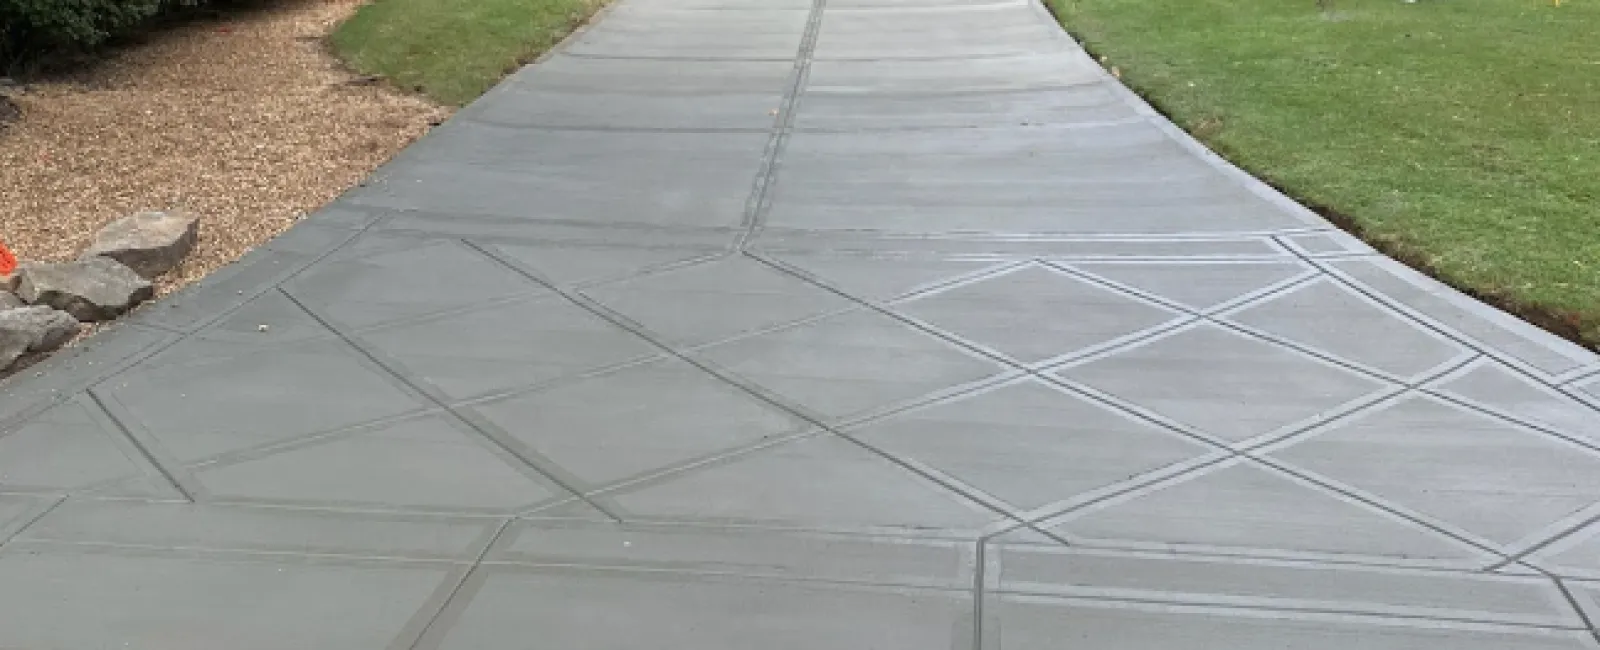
349, 54
1568, 328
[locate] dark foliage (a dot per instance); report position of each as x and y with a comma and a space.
33, 28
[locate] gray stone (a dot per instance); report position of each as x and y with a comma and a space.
12, 346
49, 328
93, 289
31, 330
150, 243
10, 300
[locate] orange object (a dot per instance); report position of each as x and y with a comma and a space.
8, 261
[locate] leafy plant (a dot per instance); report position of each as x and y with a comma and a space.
31, 27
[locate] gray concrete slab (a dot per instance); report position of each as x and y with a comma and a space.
807, 324
1065, 315
1222, 383
950, 31
684, 612
1356, 591
716, 300
1098, 179
925, 561
1034, 622
650, 32
582, 92
847, 111
682, 179
997, 73
692, 418
1486, 477
1041, 446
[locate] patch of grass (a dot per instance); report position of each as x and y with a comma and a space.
1460, 135
454, 50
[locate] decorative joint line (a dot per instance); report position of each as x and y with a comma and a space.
760, 200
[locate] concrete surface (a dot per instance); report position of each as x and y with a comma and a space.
872, 324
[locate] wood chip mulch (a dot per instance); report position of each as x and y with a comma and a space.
245, 119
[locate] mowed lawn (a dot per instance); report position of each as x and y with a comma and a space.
1462, 135
454, 50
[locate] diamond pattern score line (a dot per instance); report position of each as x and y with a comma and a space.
273, 447
538, 422
1422, 320
888, 308
1217, 315
437, 398
754, 390
956, 340
1444, 370
935, 292
1254, 450
1312, 425
104, 374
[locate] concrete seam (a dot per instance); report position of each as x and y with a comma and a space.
153, 350
465, 577
1402, 310
760, 199
1572, 601
745, 386
41, 514
189, 492
459, 415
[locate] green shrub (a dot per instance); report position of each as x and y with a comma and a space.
32, 27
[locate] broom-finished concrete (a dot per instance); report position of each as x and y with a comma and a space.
779, 324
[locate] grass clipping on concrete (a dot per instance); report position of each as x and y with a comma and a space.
1462, 136
452, 50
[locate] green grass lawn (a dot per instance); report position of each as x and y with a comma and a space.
454, 50
1461, 135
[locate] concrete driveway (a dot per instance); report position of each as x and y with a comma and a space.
778, 324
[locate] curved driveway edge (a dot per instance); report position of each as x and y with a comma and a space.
807, 324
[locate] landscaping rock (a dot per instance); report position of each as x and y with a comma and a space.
27, 330
49, 328
93, 289
150, 243
12, 346
10, 300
